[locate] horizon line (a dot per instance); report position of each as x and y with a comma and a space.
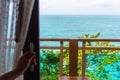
85, 14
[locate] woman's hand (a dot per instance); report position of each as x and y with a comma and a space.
25, 61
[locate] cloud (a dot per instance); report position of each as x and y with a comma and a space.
79, 6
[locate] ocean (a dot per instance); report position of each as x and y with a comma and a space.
72, 26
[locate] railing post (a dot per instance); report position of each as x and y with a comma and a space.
73, 57
61, 58
83, 59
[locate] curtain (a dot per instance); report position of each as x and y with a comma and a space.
14, 22
8, 16
25, 11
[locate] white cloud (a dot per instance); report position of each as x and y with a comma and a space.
79, 6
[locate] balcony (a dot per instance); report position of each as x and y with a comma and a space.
73, 55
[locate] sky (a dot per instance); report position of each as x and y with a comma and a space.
93, 7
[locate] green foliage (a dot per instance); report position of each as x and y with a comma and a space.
96, 58
49, 69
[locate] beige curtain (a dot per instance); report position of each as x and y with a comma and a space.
21, 31
25, 9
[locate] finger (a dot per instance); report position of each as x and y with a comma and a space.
31, 57
34, 61
26, 53
29, 54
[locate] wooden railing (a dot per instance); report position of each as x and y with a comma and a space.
73, 47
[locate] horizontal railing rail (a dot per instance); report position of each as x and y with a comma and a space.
82, 39
83, 47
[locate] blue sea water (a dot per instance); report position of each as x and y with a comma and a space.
72, 26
